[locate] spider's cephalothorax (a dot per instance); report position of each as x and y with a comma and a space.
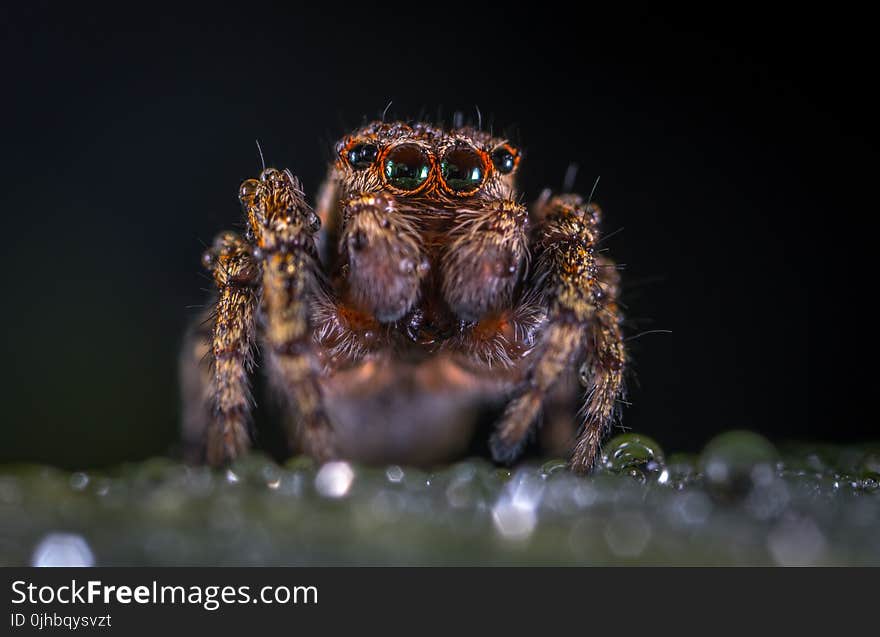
430, 296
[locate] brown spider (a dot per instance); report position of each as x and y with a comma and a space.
445, 297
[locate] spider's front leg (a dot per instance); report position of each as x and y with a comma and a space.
231, 345
283, 227
580, 292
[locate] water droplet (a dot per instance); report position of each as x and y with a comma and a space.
513, 521
635, 455
394, 473
334, 479
79, 481
102, 487
869, 481
514, 514
733, 463
682, 470
556, 465
63, 549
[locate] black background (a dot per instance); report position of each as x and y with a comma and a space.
127, 131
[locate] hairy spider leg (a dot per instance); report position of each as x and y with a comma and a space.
583, 319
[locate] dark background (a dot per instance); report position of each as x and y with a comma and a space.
126, 134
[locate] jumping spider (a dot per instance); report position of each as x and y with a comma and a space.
430, 295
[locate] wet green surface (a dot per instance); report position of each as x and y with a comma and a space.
741, 501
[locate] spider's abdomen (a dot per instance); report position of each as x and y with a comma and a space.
387, 410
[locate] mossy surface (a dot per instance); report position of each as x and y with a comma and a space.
741, 501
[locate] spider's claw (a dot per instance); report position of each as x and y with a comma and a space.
505, 451
512, 433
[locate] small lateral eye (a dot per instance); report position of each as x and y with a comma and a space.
504, 160
462, 170
407, 167
362, 156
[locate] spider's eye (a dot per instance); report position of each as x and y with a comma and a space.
407, 167
362, 156
462, 169
504, 160
249, 191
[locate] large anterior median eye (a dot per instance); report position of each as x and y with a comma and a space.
462, 169
407, 167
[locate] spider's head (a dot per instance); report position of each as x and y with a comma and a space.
425, 162
276, 209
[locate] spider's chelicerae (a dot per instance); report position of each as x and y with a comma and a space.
431, 297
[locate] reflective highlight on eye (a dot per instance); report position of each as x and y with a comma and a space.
504, 160
362, 155
407, 167
462, 169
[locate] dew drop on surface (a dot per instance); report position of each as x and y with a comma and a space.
735, 462
79, 481
635, 455
271, 476
334, 479
554, 466
514, 514
63, 549
681, 470
869, 481
627, 534
513, 521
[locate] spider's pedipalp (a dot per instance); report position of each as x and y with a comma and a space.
484, 257
383, 253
